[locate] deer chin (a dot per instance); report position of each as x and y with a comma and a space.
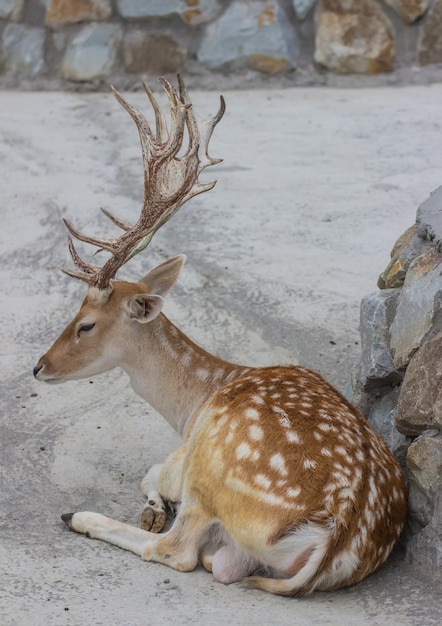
44, 378
50, 380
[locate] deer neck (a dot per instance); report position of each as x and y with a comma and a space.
172, 373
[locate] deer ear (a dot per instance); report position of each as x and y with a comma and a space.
144, 307
161, 279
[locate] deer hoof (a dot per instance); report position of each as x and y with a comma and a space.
153, 519
67, 519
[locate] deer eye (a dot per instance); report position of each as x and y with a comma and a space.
85, 328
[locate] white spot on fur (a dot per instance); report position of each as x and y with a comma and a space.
330, 487
243, 451
256, 433
231, 434
293, 493
325, 427
341, 450
309, 464
236, 483
279, 410
252, 414
257, 399
292, 436
262, 481
277, 462
203, 374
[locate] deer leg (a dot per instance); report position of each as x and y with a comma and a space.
178, 548
162, 483
98, 526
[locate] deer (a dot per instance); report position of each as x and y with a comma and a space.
279, 483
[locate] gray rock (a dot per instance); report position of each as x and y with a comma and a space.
377, 313
354, 392
353, 37
424, 463
302, 7
11, 9
382, 417
429, 219
425, 546
92, 52
249, 35
430, 40
61, 13
409, 10
418, 314
148, 8
152, 53
420, 401
191, 12
23, 50
409, 246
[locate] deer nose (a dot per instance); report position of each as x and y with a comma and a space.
37, 368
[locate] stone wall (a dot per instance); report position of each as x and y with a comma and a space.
398, 383
85, 42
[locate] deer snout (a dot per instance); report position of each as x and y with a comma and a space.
37, 369
43, 371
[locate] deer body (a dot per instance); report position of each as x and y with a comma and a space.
277, 472
279, 480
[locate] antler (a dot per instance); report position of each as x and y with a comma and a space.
169, 180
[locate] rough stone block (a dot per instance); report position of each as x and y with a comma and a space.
377, 313
353, 37
354, 392
420, 401
429, 218
191, 11
248, 35
424, 463
382, 418
61, 12
409, 246
430, 41
132, 9
200, 11
23, 50
11, 9
418, 311
152, 53
92, 52
409, 10
425, 546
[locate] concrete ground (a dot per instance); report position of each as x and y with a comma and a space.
315, 187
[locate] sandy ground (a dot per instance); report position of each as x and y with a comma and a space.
315, 187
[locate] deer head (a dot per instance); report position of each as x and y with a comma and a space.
92, 342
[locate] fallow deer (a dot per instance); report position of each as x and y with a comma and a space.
279, 481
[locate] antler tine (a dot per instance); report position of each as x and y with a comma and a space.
160, 121
88, 270
203, 128
120, 223
105, 244
178, 113
86, 278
